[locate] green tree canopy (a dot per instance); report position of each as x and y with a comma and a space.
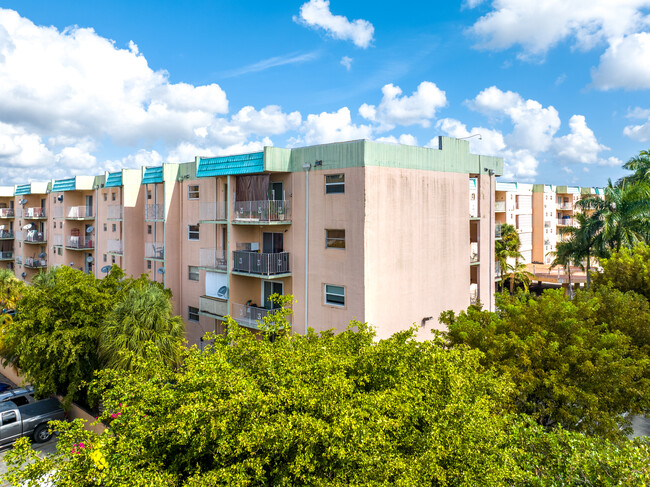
627, 270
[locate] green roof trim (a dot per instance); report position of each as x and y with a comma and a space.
114, 180
64, 185
222, 166
153, 175
23, 189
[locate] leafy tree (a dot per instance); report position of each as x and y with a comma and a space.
519, 273
641, 166
569, 366
565, 255
144, 316
582, 240
10, 290
507, 248
627, 270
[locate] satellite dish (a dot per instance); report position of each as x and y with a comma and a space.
161, 270
71, 264
27, 227
60, 197
24, 274
90, 229
23, 201
42, 255
106, 268
89, 259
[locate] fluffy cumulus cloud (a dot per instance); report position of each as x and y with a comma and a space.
332, 127
537, 27
417, 109
640, 131
404, 139
580, 145
317, 14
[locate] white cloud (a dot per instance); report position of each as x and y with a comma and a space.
346, 61
404, 139
539, 26
417, 109
624, 64
580, 145
332, 127
640, 132
316, 13
186, 151
490, 142
268, 120
273, 62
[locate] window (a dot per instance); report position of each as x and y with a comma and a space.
9, 417
148, 264
112, 259
113, 196
105, 197
105, 258
105, 227
335, 239
114, 227
334, 295
193, 192
59, 251
149, 229
335, 183
192, 232
192, 313
148, 195
193, 273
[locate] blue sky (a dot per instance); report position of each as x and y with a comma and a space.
559, 89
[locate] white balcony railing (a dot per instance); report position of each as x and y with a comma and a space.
473, 209
213, 306
154, 212
249, 316
114, 212
7, 255
212, 212
32, 236
34, 263
473, 251
262, 211
114, 246
261, 264
565, 222
80, 243
213, 259
6, 234
565, 206
30, 213
7, 213
499, 206
154, 250
74, 212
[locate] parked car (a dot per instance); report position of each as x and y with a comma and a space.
28, 420
4, 387
19, 396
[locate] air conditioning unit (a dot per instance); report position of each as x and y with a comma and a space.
249, 246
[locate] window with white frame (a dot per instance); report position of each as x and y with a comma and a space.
192, 313
335, 239
334, 183
193, 273
193, 192
334, 295
192, 232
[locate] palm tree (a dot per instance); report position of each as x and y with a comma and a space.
640, 165
507, 248
582, 239
566, 254
139, 325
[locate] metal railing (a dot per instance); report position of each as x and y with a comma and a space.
80, 243
114, 246
7, 213
213, 259
499, 206
213, 306
260, 263
79, 212
473, 296
114, 212
473, 251
565, 206
6, 234
250, 316
567, 222
34, 213
154, 212
34, 263
32, 236
7, 256
154, 250
212, 212
262, 211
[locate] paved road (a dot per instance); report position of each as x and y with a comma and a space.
42, 448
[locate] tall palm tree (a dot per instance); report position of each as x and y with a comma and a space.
566, 254
507, 248
640, 165
582, 239
141, 324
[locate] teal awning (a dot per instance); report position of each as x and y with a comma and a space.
223, 166
114, 180
23, 189
64, 185
153, 175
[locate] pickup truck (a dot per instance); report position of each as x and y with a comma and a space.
28, 420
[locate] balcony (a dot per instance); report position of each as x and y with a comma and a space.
212, 212
473, 251
34, 237
6, 235
154, 251
565, 206
497, 230
79, 213
212, 307
7, 213
499, 206
249, 316
80, 243
473, 209
565, 222
261, 264
269, 212
34, 214
7, 255
114, 212
154, 213
114, 247
213, 259
473, 296
32, 263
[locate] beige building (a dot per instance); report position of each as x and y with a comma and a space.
514, 206
388, 234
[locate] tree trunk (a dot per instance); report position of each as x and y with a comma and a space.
588, 267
